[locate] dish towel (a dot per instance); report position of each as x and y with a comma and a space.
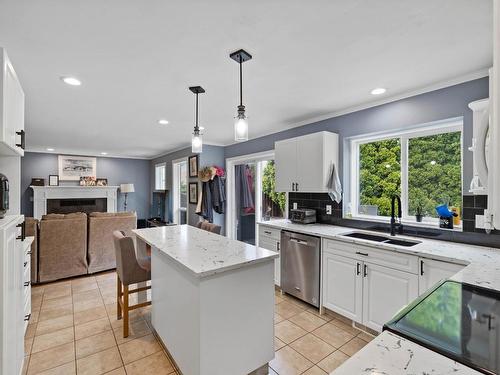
334, 187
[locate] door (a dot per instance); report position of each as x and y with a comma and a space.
385, 292
286, 164
310, 163
180, 185
342, 285
433, 271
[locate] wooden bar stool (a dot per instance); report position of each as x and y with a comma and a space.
130, 269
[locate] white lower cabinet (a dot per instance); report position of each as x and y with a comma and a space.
385, 292
269, 238
432, 271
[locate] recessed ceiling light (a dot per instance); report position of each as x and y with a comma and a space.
163, 122
71, 81
378, 91
202, 128
104, 153
50, 149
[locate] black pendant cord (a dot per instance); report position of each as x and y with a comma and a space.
241, 81
196, 128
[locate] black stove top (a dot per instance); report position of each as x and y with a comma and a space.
460, 321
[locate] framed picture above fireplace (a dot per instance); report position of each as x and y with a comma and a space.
71, 168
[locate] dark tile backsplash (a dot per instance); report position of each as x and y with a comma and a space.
472, 205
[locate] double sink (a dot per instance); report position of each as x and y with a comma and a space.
381, 239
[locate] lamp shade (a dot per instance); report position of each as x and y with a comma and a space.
127, 188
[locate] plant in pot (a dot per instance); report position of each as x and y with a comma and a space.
419, 214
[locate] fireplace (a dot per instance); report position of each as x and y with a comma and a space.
66, 206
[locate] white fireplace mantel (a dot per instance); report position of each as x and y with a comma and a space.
42, 193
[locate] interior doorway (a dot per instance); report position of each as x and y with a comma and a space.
179, 191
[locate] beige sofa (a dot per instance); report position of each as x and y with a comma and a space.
63, 246
101, 250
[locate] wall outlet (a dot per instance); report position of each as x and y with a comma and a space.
295, 206
480, 221
328, 209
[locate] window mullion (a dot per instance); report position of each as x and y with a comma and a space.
404, 177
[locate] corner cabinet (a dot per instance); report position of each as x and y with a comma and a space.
304, 163
433, 271
269, 238
12, 135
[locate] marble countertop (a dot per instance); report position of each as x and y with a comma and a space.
390, 354
203, 253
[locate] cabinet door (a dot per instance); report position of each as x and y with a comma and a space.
310, 163
385, 292
285, 159
342, 285
272, 244
433, 271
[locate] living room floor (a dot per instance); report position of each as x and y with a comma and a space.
74, 330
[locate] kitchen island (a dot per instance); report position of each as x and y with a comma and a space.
212, 300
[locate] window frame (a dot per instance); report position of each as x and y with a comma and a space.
352, 155
164, 186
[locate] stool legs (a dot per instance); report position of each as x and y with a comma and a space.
125, 311
119, 297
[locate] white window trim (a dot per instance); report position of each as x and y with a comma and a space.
164, 165
176, 209
351, 161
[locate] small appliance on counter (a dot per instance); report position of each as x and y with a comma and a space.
457, 320
4, 195
303, 216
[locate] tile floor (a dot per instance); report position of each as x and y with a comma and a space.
74, 330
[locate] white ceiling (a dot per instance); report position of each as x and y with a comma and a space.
137, 58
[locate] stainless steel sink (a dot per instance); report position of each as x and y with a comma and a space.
381, 239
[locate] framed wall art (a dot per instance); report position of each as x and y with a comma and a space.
71, 168
193, 166
193, 192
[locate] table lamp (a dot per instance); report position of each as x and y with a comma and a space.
125, 189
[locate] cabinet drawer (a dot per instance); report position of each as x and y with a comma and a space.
386, 258
268, 243
273, 233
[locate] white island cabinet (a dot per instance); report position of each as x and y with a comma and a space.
212, 300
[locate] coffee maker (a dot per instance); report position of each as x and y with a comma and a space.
4, 195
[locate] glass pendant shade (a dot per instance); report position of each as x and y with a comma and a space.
196, 143
241, 129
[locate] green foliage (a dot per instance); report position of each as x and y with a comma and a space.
269, 186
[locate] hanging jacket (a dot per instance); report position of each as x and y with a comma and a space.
218, 194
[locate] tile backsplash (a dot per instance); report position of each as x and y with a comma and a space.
318, 201
473, 205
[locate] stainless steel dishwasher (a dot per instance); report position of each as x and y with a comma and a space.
300, 266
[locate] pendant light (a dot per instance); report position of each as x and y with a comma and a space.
196, 140
241, 121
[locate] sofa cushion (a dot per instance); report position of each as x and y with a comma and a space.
111, 214
74, 215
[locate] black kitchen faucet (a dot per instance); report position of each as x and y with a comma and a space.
396, 224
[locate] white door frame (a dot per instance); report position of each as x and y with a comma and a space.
230, 185
175, 190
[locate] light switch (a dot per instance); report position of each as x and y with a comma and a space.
328, 209
295, 205
480, 221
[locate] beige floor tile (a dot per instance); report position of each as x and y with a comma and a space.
315, 370
88, 304
333, 361
313, 348
90, 314
53, 339
85, 296
288, 362
287, 332
287, 309
303, 305
137, 329
25, 365
35, 314
56, 302
36, 301
57, 292
325, 316
345, 326
37, 290
51, 358
134, 316
139, 348
307, 321
92, 328
278, 344
28, 343
333, 335
157, 364
118, 371
94, 344
278, 299
31, 330
278, 318
56, 324
365, 337
66, 369
99, 363
353, 346
46, 314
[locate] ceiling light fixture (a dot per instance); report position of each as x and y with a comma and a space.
50, 149
72, 81
241, 121
378, 91
104, 153
163, 122
196, 140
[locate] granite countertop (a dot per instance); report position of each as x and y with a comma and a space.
390, 354
203, 253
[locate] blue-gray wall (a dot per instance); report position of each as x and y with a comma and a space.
116, 170
432, 106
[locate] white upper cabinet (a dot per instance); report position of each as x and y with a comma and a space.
304, 163
11, 110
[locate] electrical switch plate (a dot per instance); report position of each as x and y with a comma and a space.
328, 209
295, 206
480, 221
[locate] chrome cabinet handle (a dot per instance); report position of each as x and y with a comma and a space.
296, 240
